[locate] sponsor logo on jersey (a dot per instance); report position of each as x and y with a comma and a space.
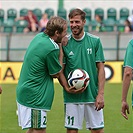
71, 53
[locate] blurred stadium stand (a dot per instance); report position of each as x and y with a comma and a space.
111, 13
23, 12
62, 13
110, 17
50, 12
100, 12
124, 13
11, 14
13, 46
38, 13
14, 43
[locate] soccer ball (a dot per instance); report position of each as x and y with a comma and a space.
78, 78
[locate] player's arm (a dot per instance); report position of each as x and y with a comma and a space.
63, 81
62, 78
125, 87
101, 82
60, 60
20, 18
61, 54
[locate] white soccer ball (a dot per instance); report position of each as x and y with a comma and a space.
78, 78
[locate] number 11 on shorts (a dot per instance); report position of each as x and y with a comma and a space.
70, 120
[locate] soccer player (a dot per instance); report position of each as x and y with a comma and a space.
127, 76
84, 51
35, 90
0, 89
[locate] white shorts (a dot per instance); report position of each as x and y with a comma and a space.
31, 118
76, 113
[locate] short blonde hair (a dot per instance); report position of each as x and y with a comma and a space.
55, 24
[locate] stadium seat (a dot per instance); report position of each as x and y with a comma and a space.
86, 28
111, 13
23, 11
50, 12
109, 24
100, 12
20, 25
62, 13
8, 26
2, 13
120, 25
38, 13
93, 25
88, 14
124, 13
11, 14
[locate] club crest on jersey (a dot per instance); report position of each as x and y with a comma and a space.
71, 53
89, 50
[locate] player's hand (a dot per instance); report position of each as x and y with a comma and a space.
64, 41
74, 90
99, 102
125, 110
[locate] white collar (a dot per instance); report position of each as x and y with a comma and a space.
80, 38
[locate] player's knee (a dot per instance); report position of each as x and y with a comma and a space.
97, 131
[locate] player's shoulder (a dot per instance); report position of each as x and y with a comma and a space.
131, 42
39, 34
89, 35
44, 38
54, 44
92, 38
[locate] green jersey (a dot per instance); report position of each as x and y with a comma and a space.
35, 87
84, 54
128, 60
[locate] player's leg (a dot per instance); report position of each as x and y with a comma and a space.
74, 117
36, 131
29, 131
72, 130
32, 119
94, 119
97, 131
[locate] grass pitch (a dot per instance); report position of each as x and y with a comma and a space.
114, 122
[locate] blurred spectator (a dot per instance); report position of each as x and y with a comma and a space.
32, 22
128, 27
43, 22
100, 26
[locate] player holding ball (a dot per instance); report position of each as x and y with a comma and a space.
83, 50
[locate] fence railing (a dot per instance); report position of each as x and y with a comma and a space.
13, 46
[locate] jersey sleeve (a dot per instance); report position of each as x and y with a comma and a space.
128, 60
99, 52
52, 61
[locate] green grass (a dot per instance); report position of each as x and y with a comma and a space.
114, 122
